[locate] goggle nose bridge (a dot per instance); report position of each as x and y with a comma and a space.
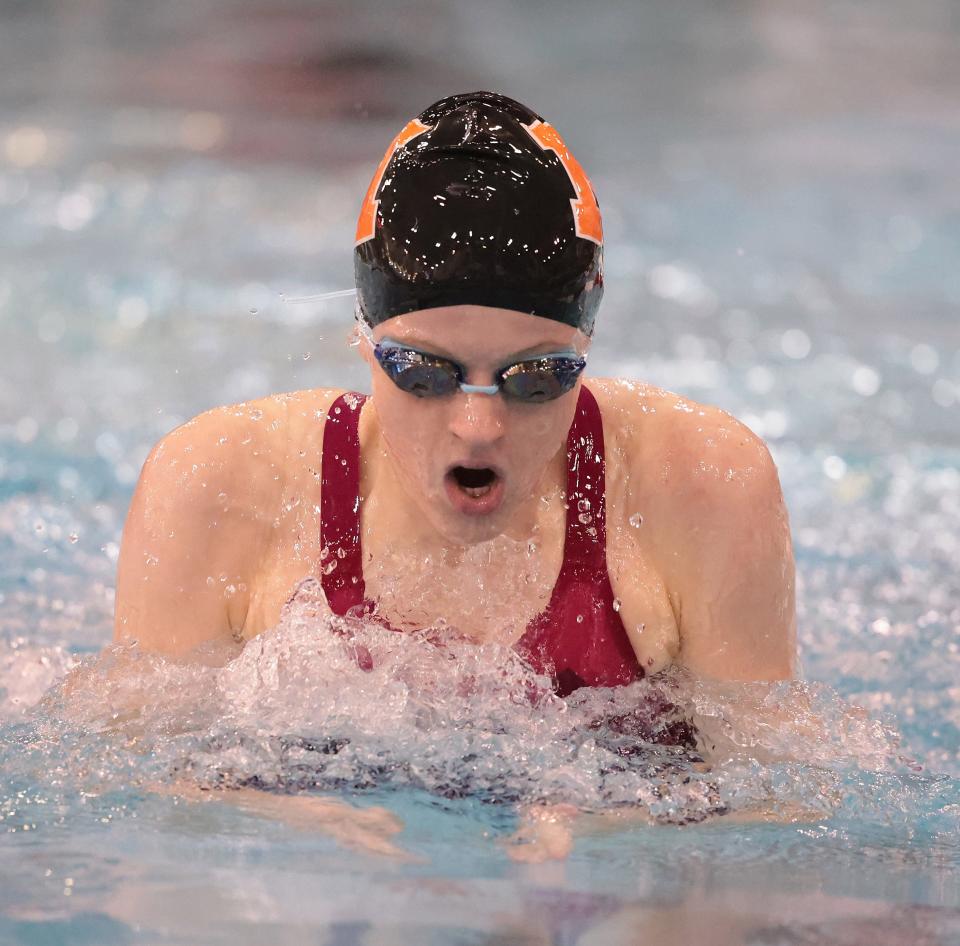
479, 388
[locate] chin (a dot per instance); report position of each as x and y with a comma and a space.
460, 529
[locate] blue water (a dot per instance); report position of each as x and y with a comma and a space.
783, 221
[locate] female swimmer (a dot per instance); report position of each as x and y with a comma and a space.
605, 528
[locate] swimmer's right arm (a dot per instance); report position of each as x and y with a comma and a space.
195, 533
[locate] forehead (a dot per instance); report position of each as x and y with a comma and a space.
479, 333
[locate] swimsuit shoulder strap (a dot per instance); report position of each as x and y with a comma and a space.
586, 529
341, 562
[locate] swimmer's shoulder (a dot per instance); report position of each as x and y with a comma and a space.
680, 457
261, 429
237, 457
205, 516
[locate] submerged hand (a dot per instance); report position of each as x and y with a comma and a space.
545, 834
362, 829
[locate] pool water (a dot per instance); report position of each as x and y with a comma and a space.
783, 220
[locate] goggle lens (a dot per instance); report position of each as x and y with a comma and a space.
541, 380
418, 374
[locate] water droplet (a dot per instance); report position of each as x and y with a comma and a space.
924, 359
579, 619
585, 518
254, 310
74, 537
230, 591
865, 381
834, 467
616, 604
306, 356
636, 520
328, 568
795, 343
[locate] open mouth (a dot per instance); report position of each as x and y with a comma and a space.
475, 482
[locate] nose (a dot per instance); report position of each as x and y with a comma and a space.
477, 419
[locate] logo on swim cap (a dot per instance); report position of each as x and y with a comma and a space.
479, 201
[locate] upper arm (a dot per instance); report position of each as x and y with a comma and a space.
735, 578
192, 536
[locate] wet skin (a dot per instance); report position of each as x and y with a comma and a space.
224, 521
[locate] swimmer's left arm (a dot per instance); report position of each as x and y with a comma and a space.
734, 579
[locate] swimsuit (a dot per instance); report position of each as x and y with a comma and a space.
579, 639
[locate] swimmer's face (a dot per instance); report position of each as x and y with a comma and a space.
469, 461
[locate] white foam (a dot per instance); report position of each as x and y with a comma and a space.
296, 710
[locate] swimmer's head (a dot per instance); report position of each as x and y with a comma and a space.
478, 202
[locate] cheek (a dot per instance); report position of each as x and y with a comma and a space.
407, 424
537, 435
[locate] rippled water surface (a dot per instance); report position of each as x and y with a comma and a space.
783, 223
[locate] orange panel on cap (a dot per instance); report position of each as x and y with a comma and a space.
586, 209
367, 222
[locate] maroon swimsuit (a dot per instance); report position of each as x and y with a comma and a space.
579, 639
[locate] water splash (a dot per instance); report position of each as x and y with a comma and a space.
323, 703
318, 297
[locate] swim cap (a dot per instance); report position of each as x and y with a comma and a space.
478, 201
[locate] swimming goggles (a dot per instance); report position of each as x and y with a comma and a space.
532, 380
